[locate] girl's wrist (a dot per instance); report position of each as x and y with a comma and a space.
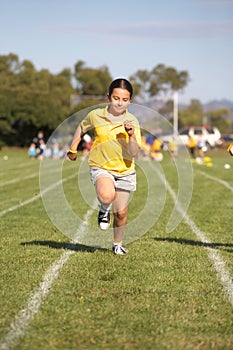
71, 151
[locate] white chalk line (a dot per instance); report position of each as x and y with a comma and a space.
222, 182
13, 181
26, 315
218, 263
30, 200
20, 179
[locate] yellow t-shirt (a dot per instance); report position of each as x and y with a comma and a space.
191, 142
109, 149
157, 145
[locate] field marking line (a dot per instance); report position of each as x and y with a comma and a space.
222, 182
26, 315
30, 200
22, 164
18, 179
218, 263
9, 182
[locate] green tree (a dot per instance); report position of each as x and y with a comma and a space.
160, 80
31, 100
191, 115
91, 81
219, 118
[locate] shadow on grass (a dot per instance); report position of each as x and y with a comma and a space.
197, 243
64, 245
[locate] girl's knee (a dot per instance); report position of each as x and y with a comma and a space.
105, 190
106, 197
121, 214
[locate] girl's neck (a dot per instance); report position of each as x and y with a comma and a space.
114, 115
115, 118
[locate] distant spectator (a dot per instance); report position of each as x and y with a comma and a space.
40, 149
32, 151
201, 146
55, 151
150, 139
192, 146
40, 146
156, 149
38, 138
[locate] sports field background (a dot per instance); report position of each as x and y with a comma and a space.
171, 291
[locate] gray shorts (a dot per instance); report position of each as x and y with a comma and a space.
121, 182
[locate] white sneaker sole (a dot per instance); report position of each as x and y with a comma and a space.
104, 226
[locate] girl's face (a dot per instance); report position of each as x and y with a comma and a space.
119, 101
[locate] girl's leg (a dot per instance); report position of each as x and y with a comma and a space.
106, 193
120, 211
201, 153
105, 190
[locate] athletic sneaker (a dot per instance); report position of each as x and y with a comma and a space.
104, 219
118, 249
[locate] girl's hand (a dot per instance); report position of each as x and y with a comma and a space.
230, 149
72, 155
129, 128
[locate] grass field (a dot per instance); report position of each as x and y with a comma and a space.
171, 291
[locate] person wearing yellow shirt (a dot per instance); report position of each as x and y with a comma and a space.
117, 140
156, 150
192, 146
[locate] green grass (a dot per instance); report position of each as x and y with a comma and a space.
164, 294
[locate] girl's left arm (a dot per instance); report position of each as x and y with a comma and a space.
133, 146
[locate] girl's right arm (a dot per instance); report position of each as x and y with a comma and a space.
72, 152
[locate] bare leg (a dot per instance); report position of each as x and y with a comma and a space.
107, 195
120, 211
201, 153
105, 190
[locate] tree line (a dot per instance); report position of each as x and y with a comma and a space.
32, 100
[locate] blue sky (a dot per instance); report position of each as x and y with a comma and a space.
126, 36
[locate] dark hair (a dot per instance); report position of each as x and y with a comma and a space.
122, 84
